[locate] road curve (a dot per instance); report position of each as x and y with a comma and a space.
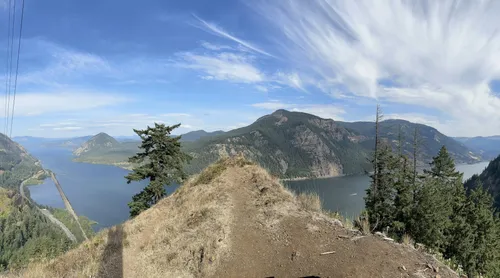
49, 215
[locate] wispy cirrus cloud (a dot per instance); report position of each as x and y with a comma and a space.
223, 66
59, 65
212, 27
442, 54
216, 47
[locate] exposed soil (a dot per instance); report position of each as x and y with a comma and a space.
235, 220
292, 247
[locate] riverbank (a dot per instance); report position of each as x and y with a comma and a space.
124, 165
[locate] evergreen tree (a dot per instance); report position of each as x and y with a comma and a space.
442, 166
379, 201
403, 201
480, 253
459, 232
161, 162
430, 217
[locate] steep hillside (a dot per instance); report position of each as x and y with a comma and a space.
235, 220
71, 143
288, 144
197, 134
490, 178
431, 140
26, 234
16, 164
97, 143
104, 149
488, 147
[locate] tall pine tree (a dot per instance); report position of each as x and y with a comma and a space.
403, 199
161, 162
475, 247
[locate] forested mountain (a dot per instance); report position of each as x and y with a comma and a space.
68, 143
430, 139
104, 149
16, 164
25, 233
99, 142
294, 144
488, 147
288, 144
489, 179
197, 134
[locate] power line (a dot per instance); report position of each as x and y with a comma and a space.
17, 68
7, 58
10, 63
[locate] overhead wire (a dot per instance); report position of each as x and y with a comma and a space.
17, 67
7, 70
10, 63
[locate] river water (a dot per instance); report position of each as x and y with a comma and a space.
101, 193
345, 194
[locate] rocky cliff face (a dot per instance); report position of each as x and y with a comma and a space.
289, 144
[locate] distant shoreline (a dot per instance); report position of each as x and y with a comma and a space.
123, 165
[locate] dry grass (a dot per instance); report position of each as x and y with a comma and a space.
309, 201
188, 234
185, 235
362, 224
407, 240
215, 170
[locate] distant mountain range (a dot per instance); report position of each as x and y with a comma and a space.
488, 147
291, 145
69, 143
430, 139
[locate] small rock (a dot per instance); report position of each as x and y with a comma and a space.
437, 276
379, 234
402, 268
436, 269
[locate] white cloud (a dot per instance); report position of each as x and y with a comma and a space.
223, 66
64, 64
33, 104
220, 32
262, 88
215, 47
440, 54
292, 80
175, 115
68, 128
327, 111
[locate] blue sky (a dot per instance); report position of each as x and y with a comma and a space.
92, 66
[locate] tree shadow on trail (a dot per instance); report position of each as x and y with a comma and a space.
112, 258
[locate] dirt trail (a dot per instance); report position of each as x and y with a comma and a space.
272, 242
235, 220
